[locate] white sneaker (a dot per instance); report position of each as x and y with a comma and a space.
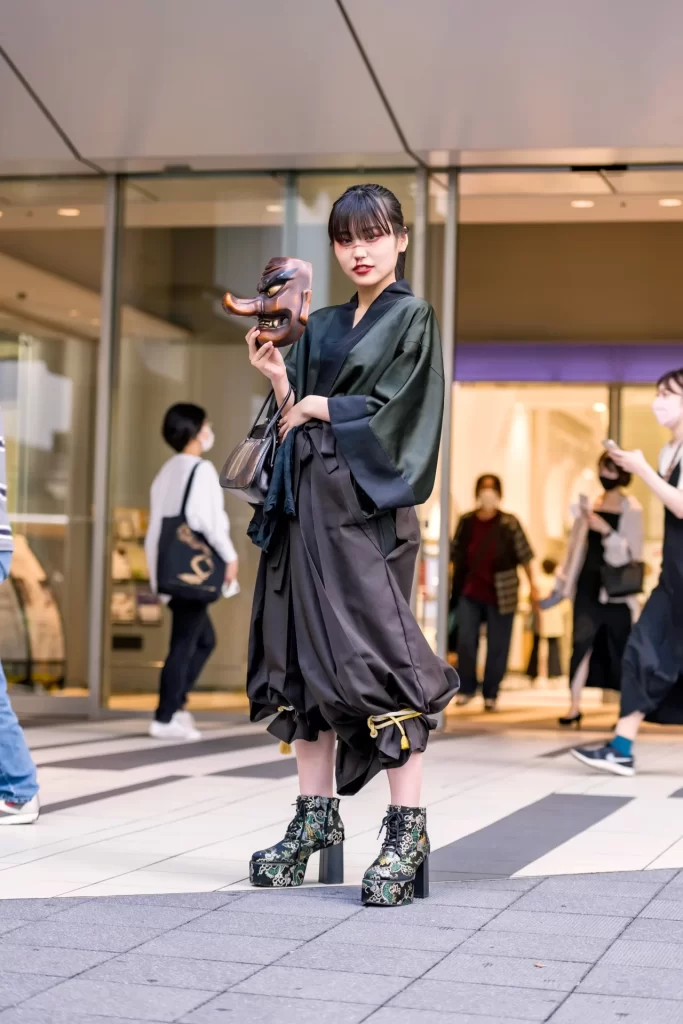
186, 718
12, 813
173, 730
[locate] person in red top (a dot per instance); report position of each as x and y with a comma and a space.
488, 547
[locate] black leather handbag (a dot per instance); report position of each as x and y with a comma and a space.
249, 468
187, 566
623, 580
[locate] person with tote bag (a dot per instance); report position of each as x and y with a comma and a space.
190, 556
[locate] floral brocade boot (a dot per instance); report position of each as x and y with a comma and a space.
315, 826
400, 873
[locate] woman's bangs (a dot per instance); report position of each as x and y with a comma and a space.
671, 381
358, 216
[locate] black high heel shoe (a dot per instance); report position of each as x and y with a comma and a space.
566, 721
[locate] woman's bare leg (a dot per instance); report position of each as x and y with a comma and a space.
405, 783
629, 725
315, 764
578, 682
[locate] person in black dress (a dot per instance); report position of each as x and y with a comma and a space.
336, 658
652, 668
609, 533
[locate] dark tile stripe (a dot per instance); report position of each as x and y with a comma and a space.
90, 798
565, 750
508, 845
124, 760
83, 743
678, 793
281, 769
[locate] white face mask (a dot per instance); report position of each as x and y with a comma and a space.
489, 499
207, 439
668, 410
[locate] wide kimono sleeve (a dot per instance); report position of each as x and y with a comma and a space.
390, 438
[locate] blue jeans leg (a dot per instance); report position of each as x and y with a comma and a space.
18, 781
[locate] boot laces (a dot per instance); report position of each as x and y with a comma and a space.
391, 823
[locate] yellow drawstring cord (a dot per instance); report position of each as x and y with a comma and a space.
285, 748
397, 718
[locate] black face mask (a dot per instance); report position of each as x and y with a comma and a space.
608, 483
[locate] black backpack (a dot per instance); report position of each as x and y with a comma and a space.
187, 565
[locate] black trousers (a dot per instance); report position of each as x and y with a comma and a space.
192, 641
554, 667
471, 616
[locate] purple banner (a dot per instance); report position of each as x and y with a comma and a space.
553, 362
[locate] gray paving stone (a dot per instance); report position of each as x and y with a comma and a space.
395, 1015
572, 948
571, 902
329, 956
664, 910
272, 1010
590, 1009
626, 953
62, 963
601, 927
651, 930
79, 936
596, 885
230, 922
527, 1003
492, 884
517, 972
247, 949
10, 925
493, 899
432, 913
672, 891
119, 915
294, 904
648, 982
107, 999
18, 1015
138, 969
15, 988
371, 931
340, 986
662, 875
35, 910
192, 900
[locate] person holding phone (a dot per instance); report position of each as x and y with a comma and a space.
608, 533
652, 667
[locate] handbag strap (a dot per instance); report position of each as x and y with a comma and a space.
277, 414
189, 488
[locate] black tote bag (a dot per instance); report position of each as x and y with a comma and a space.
188, 567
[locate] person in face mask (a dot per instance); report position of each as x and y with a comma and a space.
610, 533
652, 667
187, 431
487, 550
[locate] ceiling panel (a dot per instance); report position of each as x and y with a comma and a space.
173, 81
494, 75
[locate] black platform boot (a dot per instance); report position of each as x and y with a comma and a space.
401, 871
315, 826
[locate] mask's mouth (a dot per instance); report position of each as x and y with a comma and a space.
273, 323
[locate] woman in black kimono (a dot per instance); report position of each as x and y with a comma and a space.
335, 652
652, 668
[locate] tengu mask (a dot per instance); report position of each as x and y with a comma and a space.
283, 301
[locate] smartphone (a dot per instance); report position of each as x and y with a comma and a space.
610, 444
583, 502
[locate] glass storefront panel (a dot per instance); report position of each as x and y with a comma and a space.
186, 242
51, 235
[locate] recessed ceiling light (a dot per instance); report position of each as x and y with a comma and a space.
274, 207
599, 407
582, 204
69, 211
0, 213
671, 202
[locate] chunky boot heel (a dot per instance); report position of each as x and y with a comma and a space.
315, 826
331, 871
400, 872
422, 880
